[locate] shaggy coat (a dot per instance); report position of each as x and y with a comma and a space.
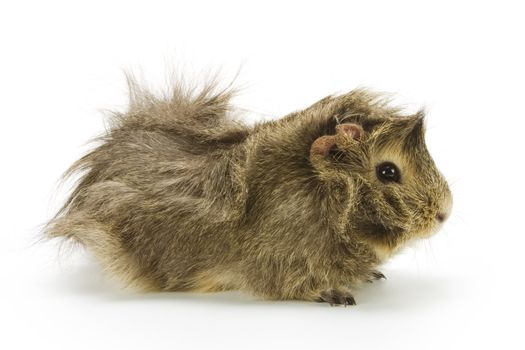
180, 196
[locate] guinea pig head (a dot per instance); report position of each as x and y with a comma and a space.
398, 194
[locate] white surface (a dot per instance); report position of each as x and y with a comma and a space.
62, 62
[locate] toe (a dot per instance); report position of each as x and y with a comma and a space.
336, 297
378, 275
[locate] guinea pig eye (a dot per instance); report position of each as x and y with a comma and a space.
388, 172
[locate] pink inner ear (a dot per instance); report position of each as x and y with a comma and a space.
350, 129
321, 146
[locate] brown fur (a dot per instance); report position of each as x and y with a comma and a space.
180, 196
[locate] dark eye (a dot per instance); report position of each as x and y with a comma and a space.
388, 172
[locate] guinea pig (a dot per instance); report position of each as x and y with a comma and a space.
179, 195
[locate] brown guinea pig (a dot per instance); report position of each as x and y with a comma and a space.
180, 196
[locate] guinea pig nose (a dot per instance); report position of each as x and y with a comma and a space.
441, 217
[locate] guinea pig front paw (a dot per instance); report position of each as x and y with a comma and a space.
375, 275
336, 297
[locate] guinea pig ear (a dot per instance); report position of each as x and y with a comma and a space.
345, 134
322, 145
349, 130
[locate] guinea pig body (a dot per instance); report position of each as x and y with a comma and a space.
179, 196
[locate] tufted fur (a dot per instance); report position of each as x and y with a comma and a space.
180, 196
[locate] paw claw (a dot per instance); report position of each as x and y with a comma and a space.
337, 297
377, 275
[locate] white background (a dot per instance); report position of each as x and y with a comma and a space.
62, 64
